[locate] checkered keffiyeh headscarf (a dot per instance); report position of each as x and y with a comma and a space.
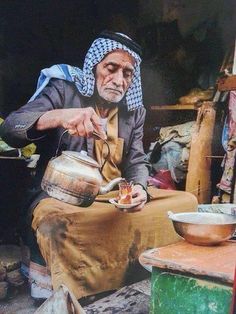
85, 80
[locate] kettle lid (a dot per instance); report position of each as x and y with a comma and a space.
81, 156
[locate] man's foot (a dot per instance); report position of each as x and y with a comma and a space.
40, 282
38, 292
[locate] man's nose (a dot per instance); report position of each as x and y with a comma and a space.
118, 78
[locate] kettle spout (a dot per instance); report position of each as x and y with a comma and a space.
107, 188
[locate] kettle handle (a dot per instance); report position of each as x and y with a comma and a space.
59, 142
95, 134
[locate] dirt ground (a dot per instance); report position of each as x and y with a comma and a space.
18, 302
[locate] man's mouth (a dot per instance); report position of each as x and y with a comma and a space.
116, 91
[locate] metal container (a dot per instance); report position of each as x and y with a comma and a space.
74, 178
204, 228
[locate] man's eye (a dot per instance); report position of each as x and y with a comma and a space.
128, 74
110, 68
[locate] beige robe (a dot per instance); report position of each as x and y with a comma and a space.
95, 249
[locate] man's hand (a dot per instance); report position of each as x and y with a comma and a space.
139, 196
78, 121
82, 122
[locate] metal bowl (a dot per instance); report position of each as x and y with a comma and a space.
204, 228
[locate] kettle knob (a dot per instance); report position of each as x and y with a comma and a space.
84, 153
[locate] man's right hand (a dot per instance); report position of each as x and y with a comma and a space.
78, 121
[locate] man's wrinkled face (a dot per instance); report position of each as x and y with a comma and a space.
114, 75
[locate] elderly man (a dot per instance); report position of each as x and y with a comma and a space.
89, 249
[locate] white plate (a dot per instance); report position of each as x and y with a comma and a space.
122, 206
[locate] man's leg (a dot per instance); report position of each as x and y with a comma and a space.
92, 249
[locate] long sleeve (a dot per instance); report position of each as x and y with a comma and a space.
17, 126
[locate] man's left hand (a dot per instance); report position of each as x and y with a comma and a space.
140, 197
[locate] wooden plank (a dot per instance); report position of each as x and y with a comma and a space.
174, 107
198, 180
216, 157
198, 260
133, 299
227, 83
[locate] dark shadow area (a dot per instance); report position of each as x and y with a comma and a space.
35, 36
14, 180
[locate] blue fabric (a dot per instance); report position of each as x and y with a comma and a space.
85, 80
225, 134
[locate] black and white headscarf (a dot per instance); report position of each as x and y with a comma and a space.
85, 80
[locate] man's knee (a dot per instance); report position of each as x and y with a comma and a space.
191, 198
53, 227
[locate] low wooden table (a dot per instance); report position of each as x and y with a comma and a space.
191, 279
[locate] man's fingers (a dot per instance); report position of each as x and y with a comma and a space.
97, 125
139, 194
134, 209
94, 118
88, 127
85, 122
81, 130
72, 131
140, 198
137, 208
76, 130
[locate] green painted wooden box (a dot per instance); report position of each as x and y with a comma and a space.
190, 279
180, 294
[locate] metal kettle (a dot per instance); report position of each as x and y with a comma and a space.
75, 178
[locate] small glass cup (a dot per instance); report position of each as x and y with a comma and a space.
125, 192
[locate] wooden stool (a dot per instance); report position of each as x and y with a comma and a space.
191, 279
